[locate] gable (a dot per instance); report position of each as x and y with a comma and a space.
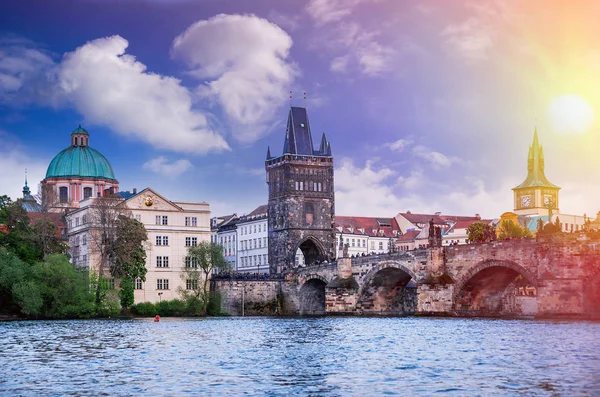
150, 200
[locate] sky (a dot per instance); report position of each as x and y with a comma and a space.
429, 105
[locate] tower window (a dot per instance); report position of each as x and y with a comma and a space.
309, 212
63, 194
87, 192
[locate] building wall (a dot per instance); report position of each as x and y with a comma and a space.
253, 246
179, 231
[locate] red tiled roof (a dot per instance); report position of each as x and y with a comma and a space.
408, 236
368, 224
423, 218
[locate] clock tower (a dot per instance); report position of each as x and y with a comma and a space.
536, 195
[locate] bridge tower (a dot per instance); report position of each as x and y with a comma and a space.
301, 197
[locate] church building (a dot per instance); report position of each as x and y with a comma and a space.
78, 172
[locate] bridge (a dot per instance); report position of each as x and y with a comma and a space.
558, 278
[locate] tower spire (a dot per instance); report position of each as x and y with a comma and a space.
535, 137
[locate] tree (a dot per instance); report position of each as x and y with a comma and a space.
47, 220
201, 262
19, 237
480, 232
510, 229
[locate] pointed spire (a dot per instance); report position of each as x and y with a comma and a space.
268, 152
329, 148
323, 147
535, 138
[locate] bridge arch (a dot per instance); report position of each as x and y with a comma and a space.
486, 287
311, 295
385, 290
312, 250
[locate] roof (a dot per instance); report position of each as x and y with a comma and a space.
298, 137
80, 130
260, 210
535, 167
126, 194
374, 227
423, 218
410, 235
80, 162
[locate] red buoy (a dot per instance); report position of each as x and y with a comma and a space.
157, 318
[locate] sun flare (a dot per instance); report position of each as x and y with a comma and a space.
570, 114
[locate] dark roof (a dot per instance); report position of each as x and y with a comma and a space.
374, 227
298, 137
126, 194
423, 218
260, 210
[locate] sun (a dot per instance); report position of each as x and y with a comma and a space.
570, 114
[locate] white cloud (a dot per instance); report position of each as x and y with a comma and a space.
339, 64
374, 58
160, 165
247, 69
326, 11
436, 159
110, 87
288, 22
399, 145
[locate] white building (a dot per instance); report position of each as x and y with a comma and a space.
172, 227
366, 235
253, 242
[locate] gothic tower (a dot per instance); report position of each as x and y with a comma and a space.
536, 195
301, 197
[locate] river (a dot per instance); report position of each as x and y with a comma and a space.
315, 356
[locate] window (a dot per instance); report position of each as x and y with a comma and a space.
372, 245
162, 283
191, 262
301, 185
77, 241
259, 243
77, 221
162, 240
162, 261
87, 192
253, 243
264, 242
194, 221
353, 242
138, 217
259, 228
158, 219
187, 221
381, 245
191, 284
84, 219
84, 239
138, 283
254, 228
297, 185
364, 243
191, 241
84, 261
165, 220
70, 223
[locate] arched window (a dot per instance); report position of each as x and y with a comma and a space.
309, 213
75, 141
64, 194
87, 192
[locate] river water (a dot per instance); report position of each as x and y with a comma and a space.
315, 356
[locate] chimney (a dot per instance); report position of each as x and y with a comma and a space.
477, 216
135, 190
408, 212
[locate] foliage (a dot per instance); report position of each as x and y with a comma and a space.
205, 259
480, 232
190, 307
20, 238
126, 292
129, 254
510, 229
50, 289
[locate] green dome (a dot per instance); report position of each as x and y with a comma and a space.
82, 162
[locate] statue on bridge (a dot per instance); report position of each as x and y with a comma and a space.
435, 235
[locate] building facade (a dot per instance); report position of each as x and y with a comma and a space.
253, 242
172, 228
301, 205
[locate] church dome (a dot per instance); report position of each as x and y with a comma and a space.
80, 161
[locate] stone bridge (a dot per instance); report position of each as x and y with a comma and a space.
512, 278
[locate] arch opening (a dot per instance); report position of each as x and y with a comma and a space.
312, 298
496, 291
390, 291
308, 253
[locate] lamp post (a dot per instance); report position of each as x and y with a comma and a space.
160, 297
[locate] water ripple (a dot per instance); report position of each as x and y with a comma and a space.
281, 357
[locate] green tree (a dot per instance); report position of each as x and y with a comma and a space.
20, 237
203, 260
510, 229
480, 232
126, 293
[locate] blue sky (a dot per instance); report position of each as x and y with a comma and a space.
429, 106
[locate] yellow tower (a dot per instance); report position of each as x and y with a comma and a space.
536, 195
